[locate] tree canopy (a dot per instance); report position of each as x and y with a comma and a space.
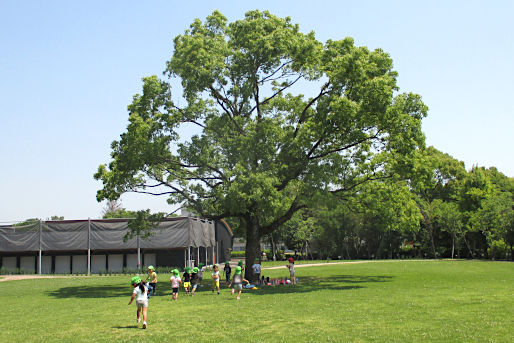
279, 117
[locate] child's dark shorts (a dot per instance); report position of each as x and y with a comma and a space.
175, 290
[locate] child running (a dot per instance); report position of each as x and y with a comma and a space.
186, 277
194, 280
175, 283
200, 273
237, 282
227, 270
152, 275
240, 264
215, 279
140, 293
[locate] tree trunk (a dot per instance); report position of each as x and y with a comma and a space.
467, 244
453, 244
253, 249
273, 256
428, 227
380, 248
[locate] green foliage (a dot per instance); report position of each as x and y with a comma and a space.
261, 148
498, 250
121, 213
238, 254
143, 224
28, 223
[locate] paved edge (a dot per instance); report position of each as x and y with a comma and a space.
348, 262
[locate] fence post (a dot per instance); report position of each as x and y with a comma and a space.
39, 259
88, 246
138, 255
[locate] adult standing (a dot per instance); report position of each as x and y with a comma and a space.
257, 269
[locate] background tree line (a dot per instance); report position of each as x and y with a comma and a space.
440, 210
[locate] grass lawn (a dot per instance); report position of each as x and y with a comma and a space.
395, 301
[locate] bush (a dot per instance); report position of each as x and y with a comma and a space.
498, 250
237, 254
165, 269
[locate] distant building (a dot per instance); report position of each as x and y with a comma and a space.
91, 246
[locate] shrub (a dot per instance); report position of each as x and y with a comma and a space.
237, 254
498, 250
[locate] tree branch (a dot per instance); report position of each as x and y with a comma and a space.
276, 71
313, 100
284, 218
221, 100
346, 147
276, 93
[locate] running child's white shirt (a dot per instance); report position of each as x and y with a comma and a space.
140, 295
216, 275
175, 281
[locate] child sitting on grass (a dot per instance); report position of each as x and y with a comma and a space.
237, 282
140, 293
175, 283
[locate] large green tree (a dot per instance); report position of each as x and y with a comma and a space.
278, 116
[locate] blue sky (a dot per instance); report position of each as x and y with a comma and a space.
69, 69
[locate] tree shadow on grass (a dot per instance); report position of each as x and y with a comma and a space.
126, 327
306, 284
90, 292
112, 291
313, 284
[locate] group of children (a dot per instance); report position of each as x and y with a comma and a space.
190, 280
142, 290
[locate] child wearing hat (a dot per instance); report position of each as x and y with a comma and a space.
194, 280
240, 264
140, 293
152, 275
215, 279
237, 282
175, 283
227, 270
186, 277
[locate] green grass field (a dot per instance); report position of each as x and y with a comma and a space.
390, 301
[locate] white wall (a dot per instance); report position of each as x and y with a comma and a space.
132, 261
46, 264
9, 263
27, 263
62, 264
79, 263
149, 260
97, 263
115, 263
